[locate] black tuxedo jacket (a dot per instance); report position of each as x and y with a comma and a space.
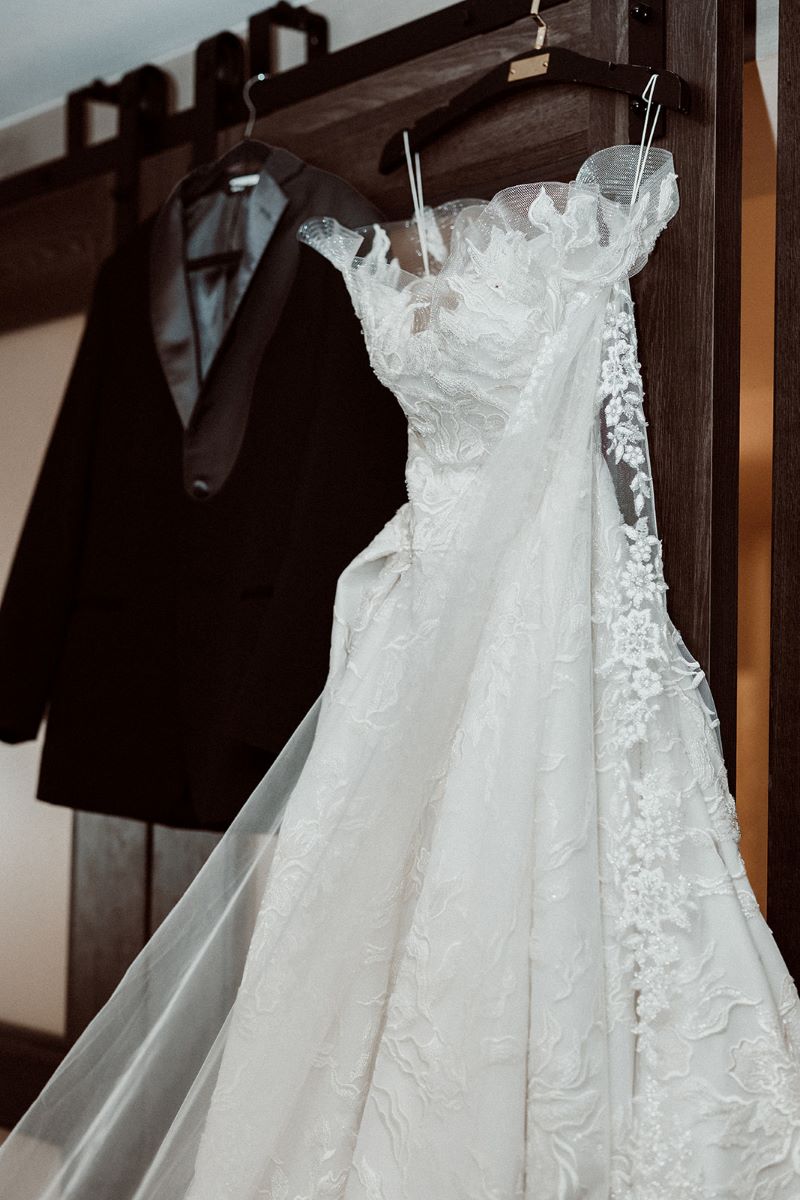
170, 601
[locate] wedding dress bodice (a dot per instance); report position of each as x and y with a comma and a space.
520, 288
512, 281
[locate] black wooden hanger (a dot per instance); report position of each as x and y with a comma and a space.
549, 65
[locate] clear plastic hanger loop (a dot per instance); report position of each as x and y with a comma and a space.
648, 129
415, 179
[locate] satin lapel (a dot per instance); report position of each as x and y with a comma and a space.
216, 430
171, 317
170, 310
213, 227
268, 204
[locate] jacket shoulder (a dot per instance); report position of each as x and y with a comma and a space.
331, 196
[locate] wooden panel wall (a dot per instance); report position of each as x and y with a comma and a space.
784, 807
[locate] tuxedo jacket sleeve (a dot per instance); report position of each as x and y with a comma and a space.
37, 601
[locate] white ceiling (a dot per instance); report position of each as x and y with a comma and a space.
51, 47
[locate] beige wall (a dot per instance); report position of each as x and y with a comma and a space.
34, 837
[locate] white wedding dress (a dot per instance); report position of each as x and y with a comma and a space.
484, 931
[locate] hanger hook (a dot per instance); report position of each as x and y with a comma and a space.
541, 25
251, 108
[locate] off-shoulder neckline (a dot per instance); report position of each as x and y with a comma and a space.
596, 176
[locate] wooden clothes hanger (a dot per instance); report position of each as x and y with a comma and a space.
547, 65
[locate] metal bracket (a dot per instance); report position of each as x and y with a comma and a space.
142, 99
263, 40
141, 96
647, 47
76, 110
219, 79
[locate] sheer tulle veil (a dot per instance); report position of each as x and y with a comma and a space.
151, 1052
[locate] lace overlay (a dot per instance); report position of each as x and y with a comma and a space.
503, 946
